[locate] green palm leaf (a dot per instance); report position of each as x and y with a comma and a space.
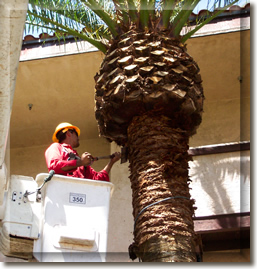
207, 20
100, 21
182, 17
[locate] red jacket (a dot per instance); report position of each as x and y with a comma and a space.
57, 156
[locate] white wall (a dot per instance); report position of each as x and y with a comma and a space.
221, 183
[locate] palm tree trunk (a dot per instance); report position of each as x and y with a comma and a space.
162, 208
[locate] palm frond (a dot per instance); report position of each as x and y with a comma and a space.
132, 10
207, 20
97, 21
182, 17
168, 8
70, 17
144, 13
100, 10
121, 8
60, 28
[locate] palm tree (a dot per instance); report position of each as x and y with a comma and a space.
149, 100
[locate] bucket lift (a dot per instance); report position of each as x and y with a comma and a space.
75, 223
67, 219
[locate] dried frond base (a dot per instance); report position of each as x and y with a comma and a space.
146, 71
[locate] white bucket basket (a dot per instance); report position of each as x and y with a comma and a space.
74, 222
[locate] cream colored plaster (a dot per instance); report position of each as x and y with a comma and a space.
223, 59
221, 183
60, 89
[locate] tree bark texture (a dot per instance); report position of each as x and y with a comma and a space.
162, 208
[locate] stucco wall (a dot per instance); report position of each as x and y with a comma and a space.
221, 183
223, 60
59, 89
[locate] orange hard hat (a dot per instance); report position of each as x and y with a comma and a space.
64, 126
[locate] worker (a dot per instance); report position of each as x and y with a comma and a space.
64, 160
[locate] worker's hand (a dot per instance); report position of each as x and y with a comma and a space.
87, 159
116, 157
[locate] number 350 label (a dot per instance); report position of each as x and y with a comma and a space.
77, 198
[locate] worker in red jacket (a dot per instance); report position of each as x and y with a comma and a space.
64, 159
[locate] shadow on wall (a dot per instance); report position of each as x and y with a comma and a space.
221, 183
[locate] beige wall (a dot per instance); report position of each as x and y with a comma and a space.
222, 60
221, 183
60, 89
